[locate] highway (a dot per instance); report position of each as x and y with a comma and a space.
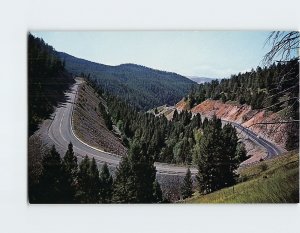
272, 150
61, 134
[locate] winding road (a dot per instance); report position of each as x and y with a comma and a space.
61, 134
272, 150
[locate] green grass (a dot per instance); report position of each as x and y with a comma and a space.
272, 181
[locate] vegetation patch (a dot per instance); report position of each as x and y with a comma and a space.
278, 183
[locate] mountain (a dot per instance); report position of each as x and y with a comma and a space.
142, 87
200, 80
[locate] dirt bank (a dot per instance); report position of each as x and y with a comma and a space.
89, 125
252, 119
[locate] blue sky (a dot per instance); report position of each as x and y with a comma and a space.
215, 54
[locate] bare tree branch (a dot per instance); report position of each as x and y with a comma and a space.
284, 45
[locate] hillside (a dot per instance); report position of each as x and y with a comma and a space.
245, 115
140, 86
254, 97
272, 181
209, 108
47, 81
89, 122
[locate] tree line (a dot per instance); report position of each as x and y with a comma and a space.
63, 180
273, 88
260, 88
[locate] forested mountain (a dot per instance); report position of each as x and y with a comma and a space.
143, 87
47, 81
274, 88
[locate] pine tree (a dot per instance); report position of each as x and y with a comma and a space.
187, 186
123, 188
135, 176
210, 153
53, 183
142, 165
70, 161
228, 162
88, 181
175, 115
94, 182
70, 168
241, 153
83, 181
106, 185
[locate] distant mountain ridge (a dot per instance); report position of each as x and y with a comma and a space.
141, 86
200, 80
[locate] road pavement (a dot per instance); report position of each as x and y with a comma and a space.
271, 148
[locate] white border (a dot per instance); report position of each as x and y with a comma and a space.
17, 17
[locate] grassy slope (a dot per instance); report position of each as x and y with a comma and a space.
275, 182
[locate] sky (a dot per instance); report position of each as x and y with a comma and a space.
214, 54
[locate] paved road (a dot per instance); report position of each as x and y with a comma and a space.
61, 133
272, 150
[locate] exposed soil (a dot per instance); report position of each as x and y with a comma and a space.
243, 114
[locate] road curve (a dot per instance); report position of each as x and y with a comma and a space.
271, 149
61, 134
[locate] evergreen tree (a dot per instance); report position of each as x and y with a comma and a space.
88, 181
209, 157
123, 188
54, 186
135, 176
142, 165
187, 186
70, 164
175, 115
106, 185
228, 162
83, 181
94, 182
70, 172
241, 153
